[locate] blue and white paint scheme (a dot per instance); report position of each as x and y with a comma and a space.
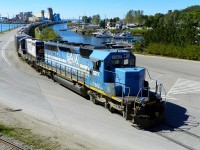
111, 71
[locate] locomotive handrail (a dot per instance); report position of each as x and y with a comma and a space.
165, 97
162, 89
59, 68
137, 100
116, 75
158, 84
140, 91
125, 87
113, 73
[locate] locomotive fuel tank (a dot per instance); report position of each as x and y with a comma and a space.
71, 85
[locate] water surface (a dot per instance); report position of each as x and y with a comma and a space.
71, 36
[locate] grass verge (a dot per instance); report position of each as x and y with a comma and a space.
28, 138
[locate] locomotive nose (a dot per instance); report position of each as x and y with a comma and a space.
131, 79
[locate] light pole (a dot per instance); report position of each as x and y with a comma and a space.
13, 23
8, 21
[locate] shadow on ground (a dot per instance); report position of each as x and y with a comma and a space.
176, 117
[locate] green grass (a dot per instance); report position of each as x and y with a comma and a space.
37, 33
87, 31
28, 138
46, 34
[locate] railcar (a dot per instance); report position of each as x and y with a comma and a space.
108, 77
31, 50
19, 39
34, 50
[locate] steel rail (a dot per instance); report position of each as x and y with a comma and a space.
9, 143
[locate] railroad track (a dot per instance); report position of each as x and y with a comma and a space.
8, 145
179, 136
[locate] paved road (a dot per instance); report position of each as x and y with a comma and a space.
23, 88
181, 79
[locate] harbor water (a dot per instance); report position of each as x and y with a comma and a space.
5, 27
71, 36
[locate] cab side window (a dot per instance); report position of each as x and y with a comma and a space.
96, 65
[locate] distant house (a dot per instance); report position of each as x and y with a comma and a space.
117, 25
90, 26
109, 27
35, 19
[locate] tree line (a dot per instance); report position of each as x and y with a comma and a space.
175, 34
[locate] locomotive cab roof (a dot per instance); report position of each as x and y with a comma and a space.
86, 50
99, 54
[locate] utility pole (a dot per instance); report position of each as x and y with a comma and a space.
1, 22
80, 20
8, 21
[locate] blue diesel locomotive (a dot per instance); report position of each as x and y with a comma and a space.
106, 76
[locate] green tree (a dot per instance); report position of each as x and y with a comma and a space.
86, 19
96, 19
134, 17
103, 23
48, 34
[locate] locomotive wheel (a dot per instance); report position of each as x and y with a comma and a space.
111, 109
92, 99
106, 105
125, 115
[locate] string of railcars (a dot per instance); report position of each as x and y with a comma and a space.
107, 76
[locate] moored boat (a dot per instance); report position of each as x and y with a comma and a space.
124, 35
102, 34
64, 29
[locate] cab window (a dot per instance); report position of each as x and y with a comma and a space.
96, 64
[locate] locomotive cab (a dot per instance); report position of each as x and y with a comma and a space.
123, 80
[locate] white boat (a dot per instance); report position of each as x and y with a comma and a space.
124, 35
119, 45
103, 34
98, 32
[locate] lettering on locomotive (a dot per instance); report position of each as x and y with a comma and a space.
72, 58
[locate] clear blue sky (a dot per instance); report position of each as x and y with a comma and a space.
109, 8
